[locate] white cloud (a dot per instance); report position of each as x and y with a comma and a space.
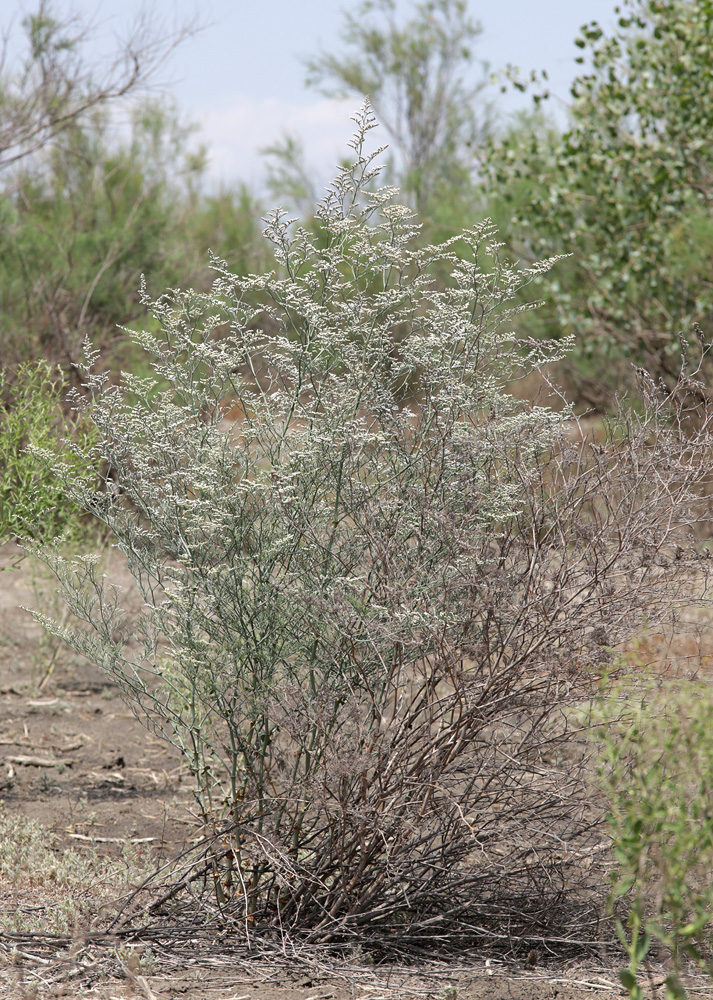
236, 133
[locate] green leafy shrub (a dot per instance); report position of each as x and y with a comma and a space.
80, 222
79, 208
626, 188
370, 597
657, 772
85, 219
34, 501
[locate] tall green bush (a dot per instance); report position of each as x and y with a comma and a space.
369, 596
81, 223
626, 187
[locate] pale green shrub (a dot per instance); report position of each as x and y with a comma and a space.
370, 597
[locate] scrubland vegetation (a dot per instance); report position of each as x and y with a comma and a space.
393, 578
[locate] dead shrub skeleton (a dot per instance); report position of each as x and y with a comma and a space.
368, 624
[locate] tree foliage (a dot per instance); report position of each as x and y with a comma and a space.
83, 220
80, 226
627, 188
87, 207
419, 78
55, 86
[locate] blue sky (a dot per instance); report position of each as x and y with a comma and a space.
242, 81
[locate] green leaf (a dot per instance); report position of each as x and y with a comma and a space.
627, 979
641, 948
624, 884
621, 933
674, 989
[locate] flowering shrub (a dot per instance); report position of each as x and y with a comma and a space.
372, 593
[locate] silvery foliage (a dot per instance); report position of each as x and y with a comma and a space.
368, 571
248, 540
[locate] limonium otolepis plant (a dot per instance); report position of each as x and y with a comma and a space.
373, 580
